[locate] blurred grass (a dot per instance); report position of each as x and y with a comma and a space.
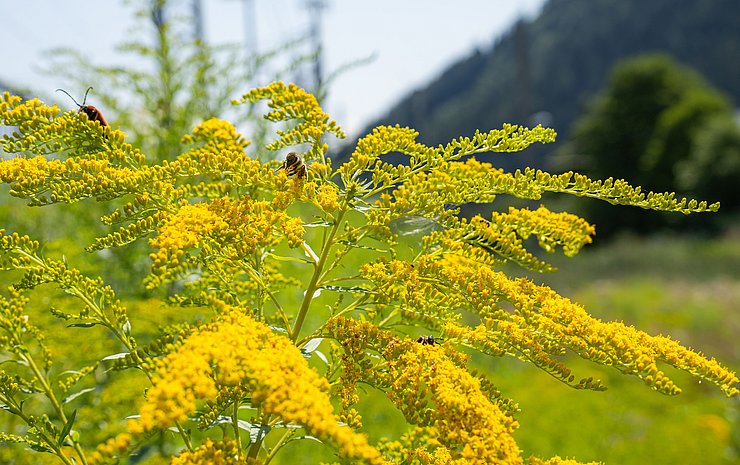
687, 288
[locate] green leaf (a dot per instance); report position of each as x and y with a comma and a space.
346, 289
309, 347
318, 224
83, 325
258, 432
359, 246
72, 397
40, 448
127, 328
321, 355
19, 362
243, 425
67, 428
117, 356
412, 225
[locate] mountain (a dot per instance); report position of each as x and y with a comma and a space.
546, 69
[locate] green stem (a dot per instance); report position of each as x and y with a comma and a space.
50, 442
75, 291
388, 318
317, 273
235, 425
254, 449
279, 445
256, 277
55, 404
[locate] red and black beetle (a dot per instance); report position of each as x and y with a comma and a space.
93, 114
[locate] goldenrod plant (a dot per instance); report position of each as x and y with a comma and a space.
315, 285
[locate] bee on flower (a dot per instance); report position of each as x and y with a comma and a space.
428, 340
294, 165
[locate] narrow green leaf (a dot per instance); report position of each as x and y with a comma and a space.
361, 246
321, 356
82, 325
346, 289
72, 397
312, 345
410, 225
258, 432
117, 356
67, 428
40, 448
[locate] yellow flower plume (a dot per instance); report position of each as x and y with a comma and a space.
239, 350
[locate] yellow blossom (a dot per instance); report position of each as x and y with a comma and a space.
239, 350
327, 197
223, 452
541, 324
233, 229
464, 420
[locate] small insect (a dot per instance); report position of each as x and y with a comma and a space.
93, 114
294, 165
428, 340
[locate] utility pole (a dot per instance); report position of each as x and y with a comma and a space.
315, 10
198, 20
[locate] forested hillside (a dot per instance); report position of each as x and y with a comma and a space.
545, 70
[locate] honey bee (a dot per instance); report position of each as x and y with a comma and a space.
428, 340
294, 165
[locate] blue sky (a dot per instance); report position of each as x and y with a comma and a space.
413, 41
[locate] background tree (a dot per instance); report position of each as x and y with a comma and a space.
713, 166
550, 65
643, 127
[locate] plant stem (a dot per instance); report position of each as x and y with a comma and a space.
254, 449
235, 425
54, 402
317, 273
277, 446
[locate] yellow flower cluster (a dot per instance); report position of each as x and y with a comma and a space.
327, 197
15, 112
431, 192
557, 461
542, 324
289, 102
420, 299
65, 181
223, 452
470, 426
190, 227
231, 229
551, 229
218, 134
382, 140
217, 150
501, 239
459, 420
111, 448
239, 350
41, 130
433, 389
